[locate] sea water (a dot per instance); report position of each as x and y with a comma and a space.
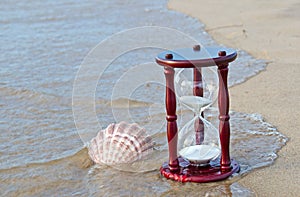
43, 45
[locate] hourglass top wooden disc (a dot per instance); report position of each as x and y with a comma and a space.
196, 57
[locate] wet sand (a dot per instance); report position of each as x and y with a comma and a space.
268, 30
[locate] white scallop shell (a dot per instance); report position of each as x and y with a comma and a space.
120, 143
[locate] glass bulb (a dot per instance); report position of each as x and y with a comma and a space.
198, 139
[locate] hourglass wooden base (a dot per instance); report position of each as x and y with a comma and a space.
200, 174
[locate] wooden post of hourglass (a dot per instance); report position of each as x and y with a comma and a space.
172, 130
223, 102
198, 91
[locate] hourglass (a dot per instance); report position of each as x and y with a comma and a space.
198, 152
198, 140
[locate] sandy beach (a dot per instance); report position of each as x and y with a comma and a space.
268, 30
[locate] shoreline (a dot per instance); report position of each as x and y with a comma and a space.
266, 31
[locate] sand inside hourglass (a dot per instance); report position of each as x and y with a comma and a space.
195, 102
200, 154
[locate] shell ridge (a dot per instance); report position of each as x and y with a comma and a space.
124, 154
106, 143
120, 143
99, 141
120, 148
128, 150
114, 141
92, 147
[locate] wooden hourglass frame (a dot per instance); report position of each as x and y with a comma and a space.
195, 58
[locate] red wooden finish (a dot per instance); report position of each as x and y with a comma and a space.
177, 168
172, 130
189, 58
190, 173
198, 91
224, 127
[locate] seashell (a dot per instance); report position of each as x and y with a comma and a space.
120, 143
